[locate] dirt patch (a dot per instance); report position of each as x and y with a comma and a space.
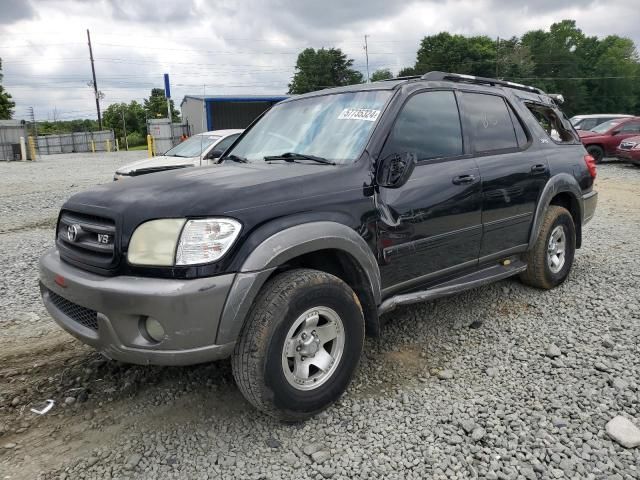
409, 359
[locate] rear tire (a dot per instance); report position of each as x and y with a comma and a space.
549, 261
596, 152
300, 345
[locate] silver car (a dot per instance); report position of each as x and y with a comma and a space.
199, 150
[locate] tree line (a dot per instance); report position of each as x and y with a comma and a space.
595, 75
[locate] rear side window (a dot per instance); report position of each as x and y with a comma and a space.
490, 124
428, 126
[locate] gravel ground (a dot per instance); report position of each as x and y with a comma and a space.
502, 382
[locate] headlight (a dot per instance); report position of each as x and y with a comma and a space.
154, 242
206, 240
161, 243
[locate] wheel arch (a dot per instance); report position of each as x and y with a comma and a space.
323, 245
562, 190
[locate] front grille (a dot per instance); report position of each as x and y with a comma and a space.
87, 239
84, 316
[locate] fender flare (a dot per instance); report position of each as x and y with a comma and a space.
278, 249
560, 183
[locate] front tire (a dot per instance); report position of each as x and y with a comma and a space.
300, 345
549, 261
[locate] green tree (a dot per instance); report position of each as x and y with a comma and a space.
323, 68
134, 119
513, 60
593, 74
407, 72
381, 74
559, 56
615, 74
156, 106
456, 53
67, 126
6, 103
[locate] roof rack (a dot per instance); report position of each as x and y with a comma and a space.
394, 79
459, 77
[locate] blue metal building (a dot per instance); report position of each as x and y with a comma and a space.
216, 112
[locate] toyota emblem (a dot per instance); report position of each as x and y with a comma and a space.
72, 232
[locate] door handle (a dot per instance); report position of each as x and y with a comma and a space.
463, 179
539, 168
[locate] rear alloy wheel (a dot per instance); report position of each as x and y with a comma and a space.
596, 152
300, 345
556, 249
549, 261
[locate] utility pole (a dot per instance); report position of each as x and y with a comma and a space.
32, 115
124, 127
497, 54
95, 84
366, 53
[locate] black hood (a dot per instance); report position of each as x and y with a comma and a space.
230, 190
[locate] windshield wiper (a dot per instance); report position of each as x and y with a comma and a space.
236, 158
293, 156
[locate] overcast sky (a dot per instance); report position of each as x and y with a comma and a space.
241, 47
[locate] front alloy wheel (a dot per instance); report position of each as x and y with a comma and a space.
314, 348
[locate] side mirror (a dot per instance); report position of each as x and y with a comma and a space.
214, 154
615, 132
394, 170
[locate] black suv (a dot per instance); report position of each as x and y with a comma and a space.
333, 208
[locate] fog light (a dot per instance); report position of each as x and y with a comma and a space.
154, 329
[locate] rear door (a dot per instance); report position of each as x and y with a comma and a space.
513, 175
430, 226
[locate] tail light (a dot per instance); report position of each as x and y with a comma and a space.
591, 165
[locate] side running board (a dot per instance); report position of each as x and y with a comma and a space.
466, 282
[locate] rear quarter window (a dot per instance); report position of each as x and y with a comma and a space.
553, 122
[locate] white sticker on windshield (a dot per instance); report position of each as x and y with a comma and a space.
359, 114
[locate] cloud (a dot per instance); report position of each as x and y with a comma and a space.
150, 11
242, 46
13, 11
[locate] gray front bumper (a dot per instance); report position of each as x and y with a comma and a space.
189, 311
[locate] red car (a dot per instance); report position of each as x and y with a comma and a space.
604, 139
629, 150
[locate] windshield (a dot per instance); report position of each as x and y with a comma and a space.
192, 147
603, 127
335, 127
